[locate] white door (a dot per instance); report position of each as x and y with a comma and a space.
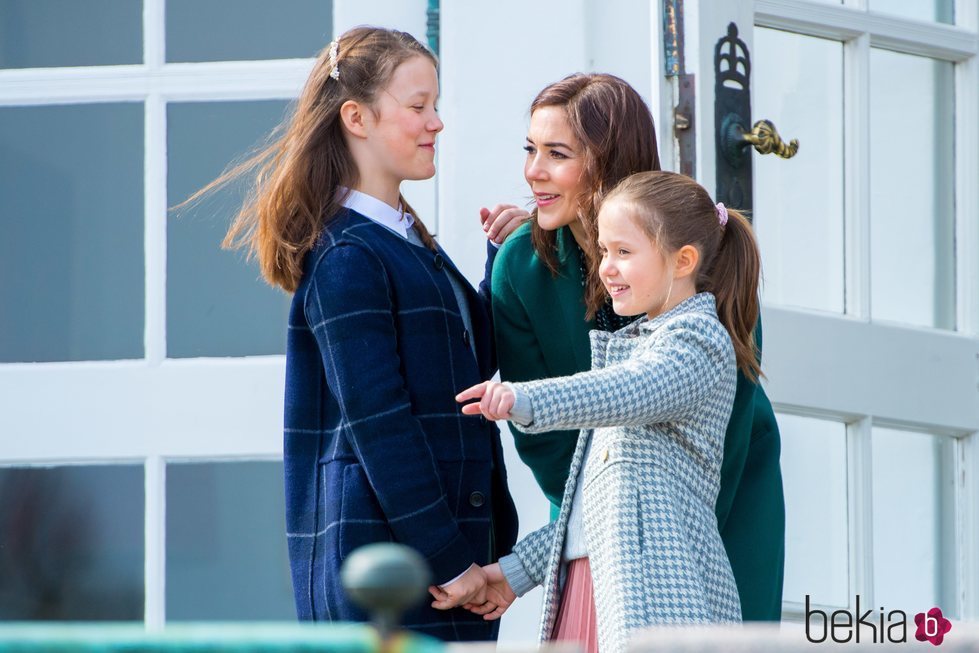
870, 245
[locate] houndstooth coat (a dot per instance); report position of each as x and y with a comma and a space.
656, 404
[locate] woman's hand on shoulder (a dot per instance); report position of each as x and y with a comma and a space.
495, 400
501, 221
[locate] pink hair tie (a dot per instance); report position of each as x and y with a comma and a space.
721, 213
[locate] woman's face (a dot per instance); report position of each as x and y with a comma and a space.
554, 167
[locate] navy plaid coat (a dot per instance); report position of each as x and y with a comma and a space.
376, 447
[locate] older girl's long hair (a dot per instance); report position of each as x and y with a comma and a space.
299, 173
674, 210
615, 129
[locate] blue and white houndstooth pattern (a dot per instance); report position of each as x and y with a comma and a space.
656, 403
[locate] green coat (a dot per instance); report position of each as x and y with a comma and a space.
541, 331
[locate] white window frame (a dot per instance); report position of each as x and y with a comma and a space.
156, 410
805, 350
955, 414
152, 410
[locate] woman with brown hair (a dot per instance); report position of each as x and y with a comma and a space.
383, 332
587, 133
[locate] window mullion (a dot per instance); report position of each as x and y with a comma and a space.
860, 509
155, 545
154, 33
967, 195
967, 525
856, 165
155, 221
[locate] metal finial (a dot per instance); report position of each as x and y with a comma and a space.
385, 579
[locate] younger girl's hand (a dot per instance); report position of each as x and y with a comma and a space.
501, 221
495, 400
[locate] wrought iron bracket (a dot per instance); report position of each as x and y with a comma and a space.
732, 110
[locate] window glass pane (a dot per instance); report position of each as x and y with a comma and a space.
914, 529
941, 11
226, 543
71, 255
71, 543
798, 216
213, 30
35, 34
217, 304
816, 528
912, 172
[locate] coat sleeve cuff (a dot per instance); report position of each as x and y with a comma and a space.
516, 574
522, 412
459, 576
453, 560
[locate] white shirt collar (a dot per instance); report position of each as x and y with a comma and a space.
379, 212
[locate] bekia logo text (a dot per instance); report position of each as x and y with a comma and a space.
842, 626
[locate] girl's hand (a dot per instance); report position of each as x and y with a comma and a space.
468, 589
495, 403
500, 221
499, 595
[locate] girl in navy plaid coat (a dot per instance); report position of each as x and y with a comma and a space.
383, 332
636, 542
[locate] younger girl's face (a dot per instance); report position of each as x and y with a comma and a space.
407, 122
554, 167
635, 272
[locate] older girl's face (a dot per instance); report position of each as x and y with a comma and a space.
402, 137
554, 167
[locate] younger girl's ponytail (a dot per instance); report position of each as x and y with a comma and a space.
674, 210
733, 279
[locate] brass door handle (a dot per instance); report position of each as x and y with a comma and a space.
763, 136
766, 140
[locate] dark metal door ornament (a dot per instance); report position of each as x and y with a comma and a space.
732, 113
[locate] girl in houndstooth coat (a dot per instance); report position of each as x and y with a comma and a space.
636, 542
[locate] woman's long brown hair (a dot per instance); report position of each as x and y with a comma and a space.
615, 130
299, 174
674, 210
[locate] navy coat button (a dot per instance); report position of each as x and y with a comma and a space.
476, 499
439, 262
465, 336
482, 420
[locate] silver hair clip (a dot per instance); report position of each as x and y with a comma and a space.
335, 73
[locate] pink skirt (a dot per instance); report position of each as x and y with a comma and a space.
576, 621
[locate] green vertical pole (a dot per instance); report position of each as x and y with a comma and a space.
433, 26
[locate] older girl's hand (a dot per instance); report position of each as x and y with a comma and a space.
470, 588
501, 221
499, 595
495, 400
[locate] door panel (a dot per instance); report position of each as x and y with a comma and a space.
871, 367
799, 210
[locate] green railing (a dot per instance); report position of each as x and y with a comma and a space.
208, 638
384, 579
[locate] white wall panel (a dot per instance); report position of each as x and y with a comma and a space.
215, 408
